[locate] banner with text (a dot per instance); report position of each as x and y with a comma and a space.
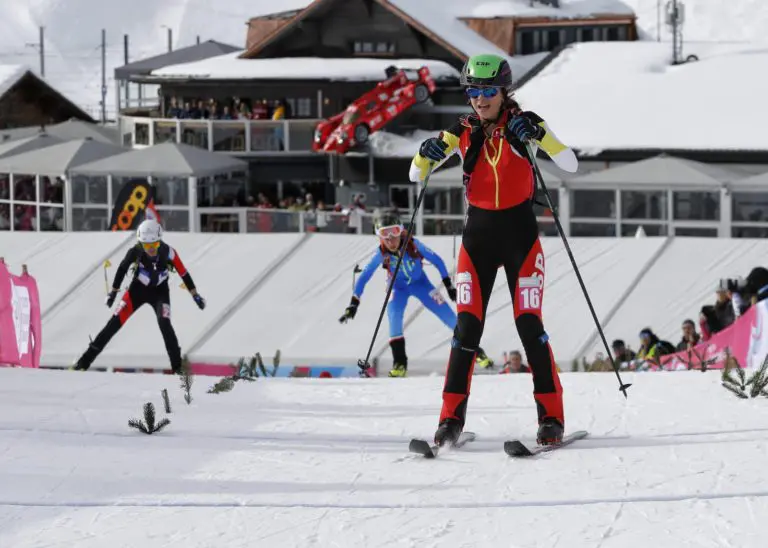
20, 322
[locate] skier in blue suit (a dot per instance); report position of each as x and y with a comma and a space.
411, 281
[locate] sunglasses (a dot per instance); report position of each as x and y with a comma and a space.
390, 232
474, 93
151, 245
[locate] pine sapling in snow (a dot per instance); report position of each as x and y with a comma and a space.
186, 380
246, 370
148, 426
739, 385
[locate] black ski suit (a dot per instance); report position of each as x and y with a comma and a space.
148, 286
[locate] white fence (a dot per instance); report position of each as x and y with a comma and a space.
286, 291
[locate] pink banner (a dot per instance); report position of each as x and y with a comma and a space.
20, 322
733, 341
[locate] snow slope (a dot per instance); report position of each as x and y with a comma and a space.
638, 100
316, 462
706, 20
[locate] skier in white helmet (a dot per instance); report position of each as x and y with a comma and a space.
153, 260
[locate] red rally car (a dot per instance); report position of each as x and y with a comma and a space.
372, 111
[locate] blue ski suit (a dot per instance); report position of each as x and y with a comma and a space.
411, 281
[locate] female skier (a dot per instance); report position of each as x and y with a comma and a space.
411, 281
153, 260
500, 229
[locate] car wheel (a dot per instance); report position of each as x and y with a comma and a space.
361, 134
421, 93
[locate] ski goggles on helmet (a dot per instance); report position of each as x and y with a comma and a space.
150, 245
474, 93
389, 232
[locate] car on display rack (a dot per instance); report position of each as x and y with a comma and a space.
373, 110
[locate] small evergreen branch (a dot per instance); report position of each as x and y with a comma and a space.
224, 385
261, 364
148, 426
138, 425
186, 380
275, 362
759, 379
149, 416
736, 390
166, 400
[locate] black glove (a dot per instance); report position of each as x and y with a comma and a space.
433, 149
199, 301
524, 129
111, 298
449, 288
349, 313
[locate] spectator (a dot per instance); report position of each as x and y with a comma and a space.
621, 353
226, 114
723, 309
690, 337
513, 363
651, 346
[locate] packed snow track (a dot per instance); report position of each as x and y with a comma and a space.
325, 462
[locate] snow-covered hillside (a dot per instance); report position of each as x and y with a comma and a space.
324, 462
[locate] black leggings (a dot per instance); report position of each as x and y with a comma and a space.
136, 296
492, 239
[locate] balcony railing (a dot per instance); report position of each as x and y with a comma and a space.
255, 220
236, 136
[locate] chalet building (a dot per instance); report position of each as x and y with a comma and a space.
27, 100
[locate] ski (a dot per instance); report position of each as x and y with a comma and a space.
516, 448
429, 451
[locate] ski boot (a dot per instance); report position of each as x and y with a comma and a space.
85, 361
448, 432
550, 432
482, 360
398, 370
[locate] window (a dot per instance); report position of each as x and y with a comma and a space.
613, 34
587, 35
695, 231
593, 229
378, 47
749, 232
526, 43
304, 108
643, 205
749, 206
699, 206
593, 203
649, 229
553, 39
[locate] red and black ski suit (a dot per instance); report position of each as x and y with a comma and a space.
500, 230
148, 286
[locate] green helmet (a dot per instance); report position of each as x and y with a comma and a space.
487, 70
386, 218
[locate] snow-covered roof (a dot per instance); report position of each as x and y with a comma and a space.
569, 9
230, 66
627, 95
9, 75
706, 21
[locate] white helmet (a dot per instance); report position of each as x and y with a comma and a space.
149, 231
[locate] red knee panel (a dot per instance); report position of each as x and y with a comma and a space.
469, 297
529, 289
125, 308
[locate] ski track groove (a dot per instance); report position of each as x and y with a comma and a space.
378, 506
617, 516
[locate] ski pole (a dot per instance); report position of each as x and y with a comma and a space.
363, 364
107, 264
532, 159
355, 271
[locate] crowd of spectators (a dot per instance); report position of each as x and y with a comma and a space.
234, 109
733, 297
24, 208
